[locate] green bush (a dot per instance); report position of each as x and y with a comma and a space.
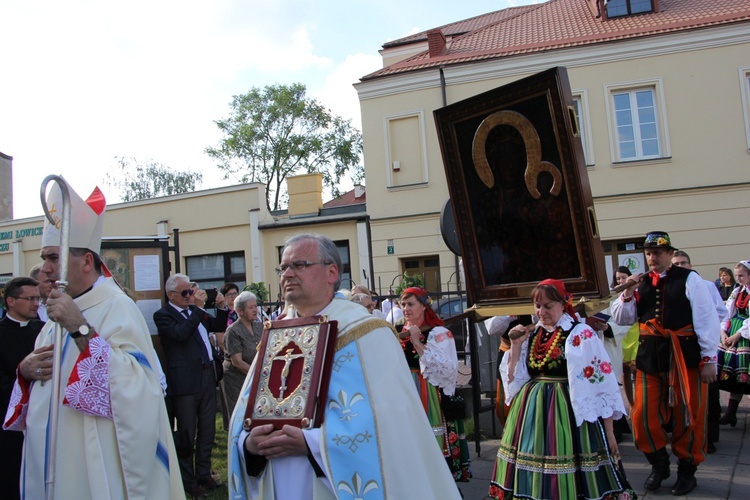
259, 290
409, 281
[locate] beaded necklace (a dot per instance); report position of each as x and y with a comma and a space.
542, 349
742, 299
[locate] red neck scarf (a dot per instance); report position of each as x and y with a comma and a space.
655, 277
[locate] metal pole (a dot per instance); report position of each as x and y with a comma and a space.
62, 283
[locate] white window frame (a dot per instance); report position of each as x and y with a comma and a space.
389, 159
660, 110
745, 92
580, 97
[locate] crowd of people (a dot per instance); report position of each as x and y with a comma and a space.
671, 338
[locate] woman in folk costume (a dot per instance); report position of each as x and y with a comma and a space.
431, 355
734, 350
559, 441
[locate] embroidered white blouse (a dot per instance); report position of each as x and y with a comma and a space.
593, 386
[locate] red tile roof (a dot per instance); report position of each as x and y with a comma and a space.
559, 24
461, 27
346, 199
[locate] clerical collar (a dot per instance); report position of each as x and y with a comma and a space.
21, 323
98, 282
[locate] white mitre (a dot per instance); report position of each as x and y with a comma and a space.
86, 219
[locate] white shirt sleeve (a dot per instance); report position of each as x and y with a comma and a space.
439, 362
593, 385
520, 375
705, 322
624, 313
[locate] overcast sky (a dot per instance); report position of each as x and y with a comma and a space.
82, 82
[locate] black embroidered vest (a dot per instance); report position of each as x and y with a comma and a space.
669, 306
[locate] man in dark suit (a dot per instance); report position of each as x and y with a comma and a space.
183, 328
18, 331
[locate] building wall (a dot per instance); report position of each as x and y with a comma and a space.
274, 239
209, 222
696, 192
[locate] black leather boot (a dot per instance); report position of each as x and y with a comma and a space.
659, 461
686, 481
730, 417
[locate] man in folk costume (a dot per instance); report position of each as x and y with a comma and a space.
375, 440
113, 436
676, 360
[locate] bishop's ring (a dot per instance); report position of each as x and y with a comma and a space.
38, 372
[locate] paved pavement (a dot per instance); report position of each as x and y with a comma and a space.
724, 475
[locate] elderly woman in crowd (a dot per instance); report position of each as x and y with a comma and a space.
558, 441
241, 341
431, 355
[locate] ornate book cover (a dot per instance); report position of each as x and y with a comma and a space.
292, 371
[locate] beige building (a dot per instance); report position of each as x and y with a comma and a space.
662, 89
223, 234
663, 100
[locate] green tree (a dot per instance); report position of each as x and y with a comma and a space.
258, 289
141, 180
409, 281
277, 132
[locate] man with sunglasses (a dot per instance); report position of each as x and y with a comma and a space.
18, 329
183, 328
375, 437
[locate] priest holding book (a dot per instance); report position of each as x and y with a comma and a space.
374, 438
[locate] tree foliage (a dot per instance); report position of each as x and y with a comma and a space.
277, 132
409, 281
141, 180
258, 289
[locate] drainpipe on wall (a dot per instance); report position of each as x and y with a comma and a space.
176, 249
456, 263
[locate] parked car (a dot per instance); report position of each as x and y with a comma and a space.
449, 306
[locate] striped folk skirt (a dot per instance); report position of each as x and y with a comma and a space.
544, 455
733, 362
450, 434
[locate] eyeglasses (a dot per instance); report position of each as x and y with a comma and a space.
184, 293
298, 265
681, 263
30, 298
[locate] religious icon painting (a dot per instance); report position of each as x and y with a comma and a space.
520, 191
292, 371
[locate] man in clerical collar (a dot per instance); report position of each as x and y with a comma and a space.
679, 335
18, 330
380, 405
108, 374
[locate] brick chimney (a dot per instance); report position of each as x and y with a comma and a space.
436, 42
305, 195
